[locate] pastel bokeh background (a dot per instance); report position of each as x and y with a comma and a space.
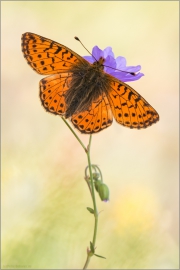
45, 224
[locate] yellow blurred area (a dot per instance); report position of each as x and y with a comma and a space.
137, 209
45, 223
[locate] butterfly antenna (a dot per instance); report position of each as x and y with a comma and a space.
85, 47
132, 73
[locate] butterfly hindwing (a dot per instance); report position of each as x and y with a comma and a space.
129, 108
52, 92
98, 117
46, 56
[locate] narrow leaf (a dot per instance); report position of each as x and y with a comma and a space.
92, 247
99, 256
90, 210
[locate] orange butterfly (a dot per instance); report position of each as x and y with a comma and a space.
82, 91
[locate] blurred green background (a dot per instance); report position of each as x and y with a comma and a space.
45, 224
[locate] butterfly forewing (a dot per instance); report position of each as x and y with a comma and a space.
46, 56
129, 108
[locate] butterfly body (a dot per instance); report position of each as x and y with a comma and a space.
83, 92
89, 81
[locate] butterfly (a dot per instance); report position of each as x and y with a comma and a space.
83, 92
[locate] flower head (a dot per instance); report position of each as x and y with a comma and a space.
115, 67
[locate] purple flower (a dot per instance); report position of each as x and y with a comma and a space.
115, 67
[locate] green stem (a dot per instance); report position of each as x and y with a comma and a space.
96, 167
89, 255
87, 150
74, 134
87, 262
93, 193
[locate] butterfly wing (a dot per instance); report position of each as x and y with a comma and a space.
129, 108
49, 57
52, 92
46, 56
98, 117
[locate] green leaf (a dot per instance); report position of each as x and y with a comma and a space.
90, 210
92, 247
99, 256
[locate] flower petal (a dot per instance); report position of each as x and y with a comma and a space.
115, 67
90, 59
97, 53
109, 64
108, 51
120, 62
126, 77
133, 68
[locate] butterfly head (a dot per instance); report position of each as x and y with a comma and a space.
99, 64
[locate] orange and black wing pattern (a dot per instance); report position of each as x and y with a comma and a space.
98, 117
46, 56
129, 108
52, 92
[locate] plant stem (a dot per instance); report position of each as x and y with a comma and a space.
74, 134
93, 193
89, 255
87, 150
87, 262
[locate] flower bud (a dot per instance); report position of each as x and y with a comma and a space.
95, 176
97, 184
103, 191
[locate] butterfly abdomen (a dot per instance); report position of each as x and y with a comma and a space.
87, 84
